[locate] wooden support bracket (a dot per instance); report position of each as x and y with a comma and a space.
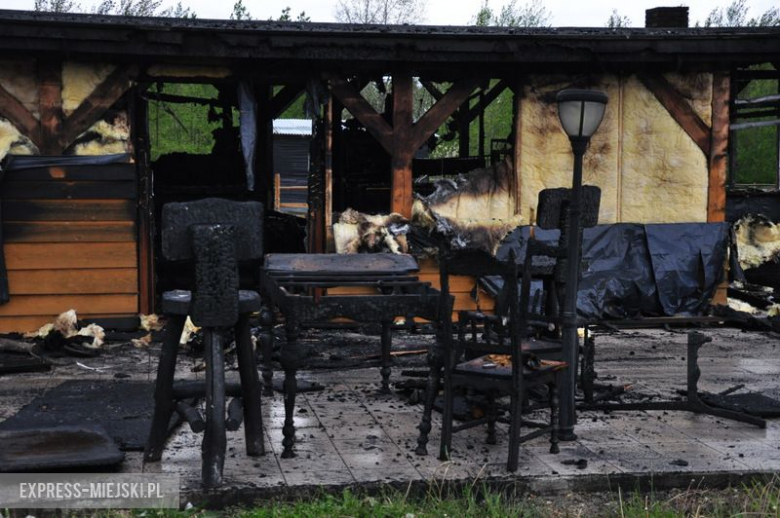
284, 98
20, 117
679, 109
95, 105
439, 112
354, 102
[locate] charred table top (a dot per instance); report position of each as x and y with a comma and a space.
298, 285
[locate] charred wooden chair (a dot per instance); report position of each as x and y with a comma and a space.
498, 354
216, 234
535, 325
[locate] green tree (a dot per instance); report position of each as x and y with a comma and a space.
530, 14
56, 6
616, 21
736, 14
383, 12
240, 12
285, 17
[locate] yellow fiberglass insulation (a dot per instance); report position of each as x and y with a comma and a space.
664, 173
107, 137
13, 142
79, 80
649, 170
758, 241
18, 78
546, 159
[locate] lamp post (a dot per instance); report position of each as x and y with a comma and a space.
580, 112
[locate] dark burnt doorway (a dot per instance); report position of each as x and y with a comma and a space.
194, 152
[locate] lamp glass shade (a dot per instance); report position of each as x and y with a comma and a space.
581, 111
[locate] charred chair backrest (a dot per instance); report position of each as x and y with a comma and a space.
217, 234
553, 213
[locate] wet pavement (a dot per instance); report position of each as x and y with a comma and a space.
348, 433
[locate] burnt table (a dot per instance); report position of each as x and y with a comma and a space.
298, 284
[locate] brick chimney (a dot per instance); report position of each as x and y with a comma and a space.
666, 17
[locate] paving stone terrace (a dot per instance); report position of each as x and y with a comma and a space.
348, 434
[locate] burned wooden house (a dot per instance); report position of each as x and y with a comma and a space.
82, 190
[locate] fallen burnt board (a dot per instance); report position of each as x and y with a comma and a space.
122, 408
57, 447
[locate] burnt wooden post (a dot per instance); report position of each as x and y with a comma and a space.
403, 150
50, 105
718, 152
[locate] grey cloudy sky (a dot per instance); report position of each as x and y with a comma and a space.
565, 13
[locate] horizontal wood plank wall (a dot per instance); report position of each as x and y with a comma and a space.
461, 287
70, 243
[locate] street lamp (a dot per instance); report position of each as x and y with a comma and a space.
580, 112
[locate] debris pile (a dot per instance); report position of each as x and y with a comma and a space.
356, 232
65, 333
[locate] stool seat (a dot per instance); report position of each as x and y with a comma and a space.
177, 302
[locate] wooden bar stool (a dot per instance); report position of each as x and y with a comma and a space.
216, 235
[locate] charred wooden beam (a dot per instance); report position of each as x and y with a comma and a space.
181, 99
50, 106
485, 101
439, 112
284, 98
95, 105
403, 144
360, 109
20, 117
718, 152
679, 109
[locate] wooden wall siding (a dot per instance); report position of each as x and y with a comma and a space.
70, 243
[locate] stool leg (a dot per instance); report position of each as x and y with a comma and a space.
250, 388
387, 340
214, 440
164, 403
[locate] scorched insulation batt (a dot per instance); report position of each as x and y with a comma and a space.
649, 170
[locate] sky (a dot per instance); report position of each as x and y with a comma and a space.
565, 13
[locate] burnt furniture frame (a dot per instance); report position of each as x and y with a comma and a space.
692, 401
217, 234
296, 284
508, 332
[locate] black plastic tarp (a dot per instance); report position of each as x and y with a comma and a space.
18, 162
631, 270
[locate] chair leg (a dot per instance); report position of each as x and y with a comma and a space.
250, 388
445, 449
431, 391
515, 423
492, 416
164, 403
554, 416
214, 440
387, 340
